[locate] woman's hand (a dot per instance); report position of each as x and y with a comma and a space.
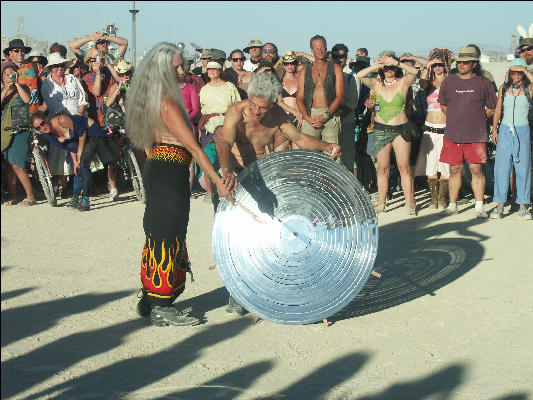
299, 117
388, 60
226, 186
518, 68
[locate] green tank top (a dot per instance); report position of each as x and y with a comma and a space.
390, 109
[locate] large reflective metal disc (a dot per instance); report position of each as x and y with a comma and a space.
301, 240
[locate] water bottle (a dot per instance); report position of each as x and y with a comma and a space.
377, 107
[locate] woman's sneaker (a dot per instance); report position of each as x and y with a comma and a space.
497, 213
113, 194
524, 215
84, 204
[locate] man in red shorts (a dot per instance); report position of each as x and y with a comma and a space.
467, 99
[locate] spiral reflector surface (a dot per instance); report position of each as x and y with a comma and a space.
301, 240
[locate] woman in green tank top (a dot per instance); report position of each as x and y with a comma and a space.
391, 124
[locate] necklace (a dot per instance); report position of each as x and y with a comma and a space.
390, 83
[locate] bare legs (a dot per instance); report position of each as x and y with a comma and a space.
13, 172
402, 150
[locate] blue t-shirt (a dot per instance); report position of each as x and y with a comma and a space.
80, 123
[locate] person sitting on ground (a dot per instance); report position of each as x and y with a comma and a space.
391, 128
15, 112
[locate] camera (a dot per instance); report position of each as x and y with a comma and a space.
12, 76
97, 58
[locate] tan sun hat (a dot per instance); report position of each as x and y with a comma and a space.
289, 56
467, 54
253, 43
123, 66
213, 64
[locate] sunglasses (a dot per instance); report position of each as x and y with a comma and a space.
516, 72
235, 59
269, 51
18, 50
439, 65
389, 68
523, 50
124, 74
338, 56
464, 62
41, 125
290, 63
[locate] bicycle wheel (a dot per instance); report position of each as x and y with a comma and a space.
135, 174
44, 176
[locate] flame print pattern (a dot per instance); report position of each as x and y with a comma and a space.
170, 154
163, 269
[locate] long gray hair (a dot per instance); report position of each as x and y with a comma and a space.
154, 79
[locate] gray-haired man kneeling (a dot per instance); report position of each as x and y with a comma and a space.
248, 133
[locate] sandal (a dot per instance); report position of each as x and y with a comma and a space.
524, 215
379, 206
497, 213
27, 202
9, 203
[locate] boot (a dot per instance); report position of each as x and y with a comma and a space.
234, 307
73, 203
443, 192
165, 316
144, 307
433, 182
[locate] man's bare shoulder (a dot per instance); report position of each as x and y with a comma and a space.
236, 108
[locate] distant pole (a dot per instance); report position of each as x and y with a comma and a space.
133, 35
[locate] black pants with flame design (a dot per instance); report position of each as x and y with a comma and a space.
164, 257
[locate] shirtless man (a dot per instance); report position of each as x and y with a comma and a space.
320, 94
248, 133
250, 128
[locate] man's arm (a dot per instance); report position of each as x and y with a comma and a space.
225, 143
339, 90
444, 109
309, 142
122, 44
300, 94
75, 45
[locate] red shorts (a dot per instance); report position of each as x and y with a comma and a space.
455, 153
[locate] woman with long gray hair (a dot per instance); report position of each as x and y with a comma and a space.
157, 121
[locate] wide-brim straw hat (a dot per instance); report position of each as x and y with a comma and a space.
467, 54
289, 57
123, 66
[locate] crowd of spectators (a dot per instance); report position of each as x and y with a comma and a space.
403, 116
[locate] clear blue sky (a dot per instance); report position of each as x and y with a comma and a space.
400, 26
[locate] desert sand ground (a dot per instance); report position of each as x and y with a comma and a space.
450, 318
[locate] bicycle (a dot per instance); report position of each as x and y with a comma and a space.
131, 172
39, 168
